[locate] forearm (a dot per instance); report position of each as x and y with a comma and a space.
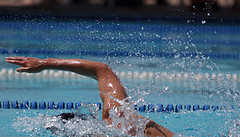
154, 129
80, 66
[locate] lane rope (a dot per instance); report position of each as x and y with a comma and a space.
141, 108
53, 74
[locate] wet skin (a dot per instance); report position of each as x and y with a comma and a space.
108, 83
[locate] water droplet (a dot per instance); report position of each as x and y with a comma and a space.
165, 88
157, 36
177, 56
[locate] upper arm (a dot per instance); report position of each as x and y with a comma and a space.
109, 84
111, 89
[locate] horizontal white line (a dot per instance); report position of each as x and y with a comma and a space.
50, 74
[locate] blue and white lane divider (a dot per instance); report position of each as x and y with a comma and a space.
177, 108
51, 74
142, 108
45, 105
121, 53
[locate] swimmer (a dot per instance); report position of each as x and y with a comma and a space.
108, 84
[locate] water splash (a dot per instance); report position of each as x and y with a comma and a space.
125, 121
48, 125
234, 129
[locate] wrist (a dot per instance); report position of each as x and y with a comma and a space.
43, 63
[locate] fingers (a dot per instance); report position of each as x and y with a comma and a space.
23, 69
16, 58
17, 62
21, 61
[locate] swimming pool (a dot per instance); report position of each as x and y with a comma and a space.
158, 62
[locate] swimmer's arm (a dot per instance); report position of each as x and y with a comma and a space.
80, 66
153, 129
108, 82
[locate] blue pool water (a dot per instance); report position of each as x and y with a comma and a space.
153, 47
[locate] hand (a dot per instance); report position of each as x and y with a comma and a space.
28, 64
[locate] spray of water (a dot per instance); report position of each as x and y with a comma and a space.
125, 122
196, 65
44, 124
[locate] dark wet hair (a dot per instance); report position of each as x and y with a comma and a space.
68, 116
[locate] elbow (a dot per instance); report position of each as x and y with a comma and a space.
103, 69
103, 66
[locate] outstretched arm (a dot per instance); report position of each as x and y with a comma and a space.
108, 82
80, 66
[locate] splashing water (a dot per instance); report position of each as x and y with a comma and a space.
234, 129
128, 120
40, 125
44, 124
52, 125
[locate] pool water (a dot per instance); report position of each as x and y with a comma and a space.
85, 90
182, 123
134, 41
